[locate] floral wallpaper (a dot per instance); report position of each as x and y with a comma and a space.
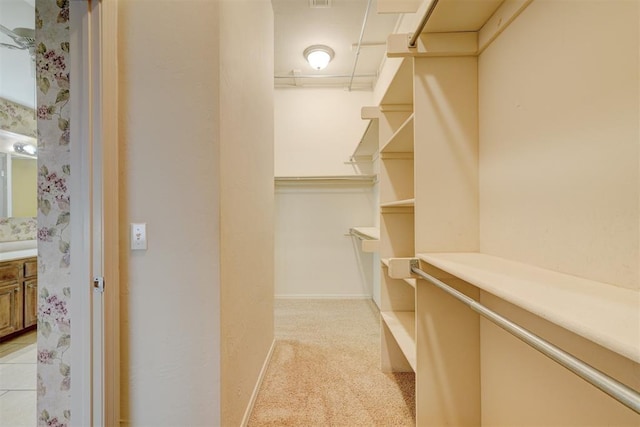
14, 228
54, 320
17, 118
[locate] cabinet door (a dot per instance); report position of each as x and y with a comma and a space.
30, 268
30, 302
10, 308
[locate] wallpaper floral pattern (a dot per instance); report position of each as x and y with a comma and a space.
17, 118
54, 321
14, 228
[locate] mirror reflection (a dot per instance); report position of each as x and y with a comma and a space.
18, 176
18, 164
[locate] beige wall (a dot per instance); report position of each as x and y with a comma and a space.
559, 142
196, 167
317, 130
559, 136
246, 199
24, 177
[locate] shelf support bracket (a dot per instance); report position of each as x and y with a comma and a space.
400, 268
433, 45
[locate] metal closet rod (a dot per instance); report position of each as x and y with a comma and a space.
355, 59
423, 22
322, 76
614, 388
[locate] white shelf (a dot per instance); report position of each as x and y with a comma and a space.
368, 145
385, 262
400, 89
326, 179
399, 203
605, 314
370, 233
402, 325
402, 140
370, 237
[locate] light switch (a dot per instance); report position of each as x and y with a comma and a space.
138, 236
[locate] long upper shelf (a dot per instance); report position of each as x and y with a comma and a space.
453, 16
325, 179
457, 28
605, 314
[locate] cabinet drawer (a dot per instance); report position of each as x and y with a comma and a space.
9, 272
30, 268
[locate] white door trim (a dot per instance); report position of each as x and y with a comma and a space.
111, 208
95, 387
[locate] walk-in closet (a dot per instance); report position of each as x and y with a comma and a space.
321, 213
492, 201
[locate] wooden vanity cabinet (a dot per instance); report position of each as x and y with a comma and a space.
18, 296
11, 298
30, 289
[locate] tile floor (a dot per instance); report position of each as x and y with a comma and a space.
18, 358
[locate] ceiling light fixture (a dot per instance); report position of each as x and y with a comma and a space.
24, 148
319, 56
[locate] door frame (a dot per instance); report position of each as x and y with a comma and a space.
95, 381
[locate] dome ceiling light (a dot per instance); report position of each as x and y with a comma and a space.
318, 56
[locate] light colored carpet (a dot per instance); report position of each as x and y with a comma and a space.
325, 370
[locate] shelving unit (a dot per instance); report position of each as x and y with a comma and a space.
508, 203
396, 121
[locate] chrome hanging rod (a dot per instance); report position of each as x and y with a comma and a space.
355, 60
323, 76
622, 393
423, 23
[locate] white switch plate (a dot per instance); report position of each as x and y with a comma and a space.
138, 236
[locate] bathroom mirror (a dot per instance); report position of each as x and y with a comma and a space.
18, 175
18, 164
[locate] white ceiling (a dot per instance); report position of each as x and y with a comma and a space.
297, 26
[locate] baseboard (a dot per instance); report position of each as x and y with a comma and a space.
322, 296
256, 389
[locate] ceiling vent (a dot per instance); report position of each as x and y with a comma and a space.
319, 4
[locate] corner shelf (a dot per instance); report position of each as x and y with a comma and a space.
605, 314
402, 140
